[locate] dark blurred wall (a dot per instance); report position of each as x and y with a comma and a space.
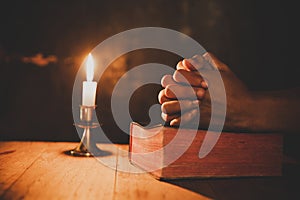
255, 38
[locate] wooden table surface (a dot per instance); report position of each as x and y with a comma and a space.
41, 170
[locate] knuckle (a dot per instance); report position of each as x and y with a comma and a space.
179, 65
198, 80
165, 80
169, 91
200, 93
177, 76
164, 116
161, 96
191, 104
164, 107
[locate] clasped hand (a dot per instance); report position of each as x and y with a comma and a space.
186, 92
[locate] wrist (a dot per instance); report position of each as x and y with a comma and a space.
253, 113
239, 114
261, 114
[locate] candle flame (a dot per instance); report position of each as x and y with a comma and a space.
90, 68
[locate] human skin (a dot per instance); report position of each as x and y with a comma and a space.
274, 111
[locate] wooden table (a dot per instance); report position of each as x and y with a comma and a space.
40, 170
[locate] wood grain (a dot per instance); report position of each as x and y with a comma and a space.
142, 186
12, 162
54, 175
40, 170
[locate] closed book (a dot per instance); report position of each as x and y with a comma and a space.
171, 153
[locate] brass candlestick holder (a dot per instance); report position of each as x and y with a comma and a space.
86, 147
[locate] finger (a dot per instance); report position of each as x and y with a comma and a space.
175, 106
204, 84
183, 92
168, 118
180, 65
186, 64
188, 77
184, 119
198, 62
162, 98
205, 61
167, 80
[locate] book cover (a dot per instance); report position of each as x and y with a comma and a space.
168, 154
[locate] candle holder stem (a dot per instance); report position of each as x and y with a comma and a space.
83, 148
87, 147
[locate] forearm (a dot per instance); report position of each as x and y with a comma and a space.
274, 111
245, 111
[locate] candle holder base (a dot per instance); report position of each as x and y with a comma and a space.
81, 150
86, 147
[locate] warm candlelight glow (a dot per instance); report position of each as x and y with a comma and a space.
90, 68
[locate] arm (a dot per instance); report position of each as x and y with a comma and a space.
274, 111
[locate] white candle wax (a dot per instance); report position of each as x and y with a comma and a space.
89, 93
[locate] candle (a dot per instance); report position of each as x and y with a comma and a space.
89, 86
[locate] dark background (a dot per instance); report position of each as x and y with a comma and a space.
255, 38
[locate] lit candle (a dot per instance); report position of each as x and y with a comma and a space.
89, 86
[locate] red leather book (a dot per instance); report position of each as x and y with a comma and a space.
168, 154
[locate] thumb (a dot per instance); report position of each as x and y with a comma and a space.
215, 62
